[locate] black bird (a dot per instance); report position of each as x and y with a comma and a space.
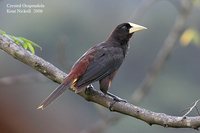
99, 63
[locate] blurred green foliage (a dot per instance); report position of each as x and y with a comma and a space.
25, 43
190, 36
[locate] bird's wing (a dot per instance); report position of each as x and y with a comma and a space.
104, 62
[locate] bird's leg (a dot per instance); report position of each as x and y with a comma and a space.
116, 99
105, 84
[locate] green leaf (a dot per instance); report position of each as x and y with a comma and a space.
25, 46
8, 36
17, 40
32, 43
25, 43
31, 48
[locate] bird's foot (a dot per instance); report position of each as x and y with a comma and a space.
118, 99
115, 99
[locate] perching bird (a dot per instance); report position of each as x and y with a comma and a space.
99, 63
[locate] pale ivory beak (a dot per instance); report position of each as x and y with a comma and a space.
135, 27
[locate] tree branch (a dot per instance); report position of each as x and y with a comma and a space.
191, 108
184, 7
95, 96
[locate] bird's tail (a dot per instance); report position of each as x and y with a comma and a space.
56, 93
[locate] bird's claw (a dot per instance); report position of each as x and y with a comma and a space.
111, 105
116, 99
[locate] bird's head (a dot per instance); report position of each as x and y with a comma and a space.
124, 31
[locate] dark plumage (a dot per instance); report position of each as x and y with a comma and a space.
99, 63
